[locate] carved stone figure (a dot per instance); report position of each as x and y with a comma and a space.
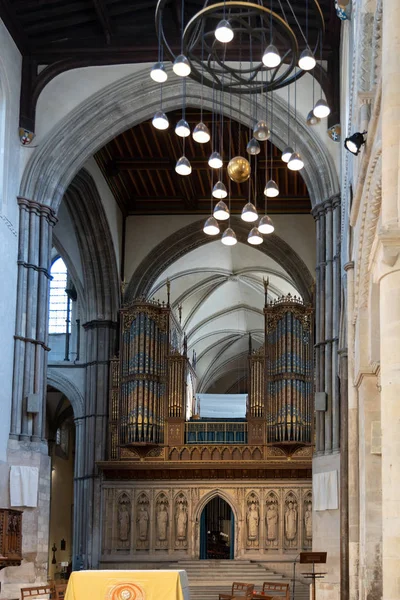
252, 522
308, 521
291, 522
162, 522
124, 522
143, 523
272, 522
181, 520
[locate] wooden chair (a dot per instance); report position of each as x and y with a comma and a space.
275, 591
38, 591
59, 591
239, 590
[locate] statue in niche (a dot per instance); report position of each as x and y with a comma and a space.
181, 519
143, 523
162, 522
308, 521
291, 522
271, 520
124, 522
252, 522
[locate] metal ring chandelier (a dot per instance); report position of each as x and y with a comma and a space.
238, 67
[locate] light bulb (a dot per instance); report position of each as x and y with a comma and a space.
160, 120
295, 162
254, 237
266, 225
271, 57
253, 147
181, 66
183, 166
219, 190
312, 119
221, 211
261, 131
287, 153
307, 60
229, 237
182, 128
271, 189
201, 133
211, 226
215, 160
321, 109
158, 73
249, 213
224, 32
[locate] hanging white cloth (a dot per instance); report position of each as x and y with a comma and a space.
325, 491
24, 483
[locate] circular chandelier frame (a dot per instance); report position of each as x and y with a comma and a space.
210, 60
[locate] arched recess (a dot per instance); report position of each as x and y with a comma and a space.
101, 283
192, 236
132, 100
69, 389
199, 510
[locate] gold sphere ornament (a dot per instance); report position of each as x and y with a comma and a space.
239, 169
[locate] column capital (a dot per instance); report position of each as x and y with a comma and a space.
328, 204
40, 209
100, 324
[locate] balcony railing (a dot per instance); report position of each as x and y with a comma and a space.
216, 432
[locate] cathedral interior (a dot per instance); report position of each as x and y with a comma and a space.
199, 242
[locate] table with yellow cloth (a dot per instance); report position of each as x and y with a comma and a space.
128, 585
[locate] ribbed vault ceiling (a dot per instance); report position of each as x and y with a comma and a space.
221, 292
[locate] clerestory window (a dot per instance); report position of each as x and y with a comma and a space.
58, 305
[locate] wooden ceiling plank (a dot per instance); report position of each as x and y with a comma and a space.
103, 18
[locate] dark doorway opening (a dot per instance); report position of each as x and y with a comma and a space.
217, 530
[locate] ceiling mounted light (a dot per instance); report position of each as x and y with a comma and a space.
266, 225
254, 237
249, 213
253, 147
182, 128
295, 162
219, 190
201, 133
211, 226
158, 73
229, 237
221, 211
312, 119
183, 166
287, 153
307, 60
321, 109
261, 131
271, 189
224, 32
354, 143
215, 160
160, 120
181, 66
271, 57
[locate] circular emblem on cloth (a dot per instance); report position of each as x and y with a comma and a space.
126, 591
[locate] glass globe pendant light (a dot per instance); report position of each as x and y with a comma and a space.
321, 109
211, 226
271, 189
229, 237
160, 120
181, 66
249, 213
201, 133
219, 191
224, 32
183, 166
253, 147
287, 153
158, 73
261, 131
182, 128
271, 57
295, 162
307, 60
221, 212
215, 160
266, 225
254, 238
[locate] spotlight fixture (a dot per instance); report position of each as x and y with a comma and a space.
249, 213
211, 226
312, 119
229, 237
271, 189
321, 109
261, 131
266, 225
221, 211
160, 120
271, 57
182, 128
354, 143
215, 160
201, 133
295, 162
253, 147
307, 60
224, 32
181, 66
254, 237
219, 191
287, 153
183, 166
158, 73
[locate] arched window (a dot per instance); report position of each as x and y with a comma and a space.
58, 308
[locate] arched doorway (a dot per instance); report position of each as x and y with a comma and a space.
217, 530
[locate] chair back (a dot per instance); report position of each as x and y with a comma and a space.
242, 590
279, 591
38, 591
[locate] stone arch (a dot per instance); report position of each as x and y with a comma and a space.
69, 389
214, 494
132, 100
192, 236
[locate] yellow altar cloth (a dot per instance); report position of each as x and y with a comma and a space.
128, 585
